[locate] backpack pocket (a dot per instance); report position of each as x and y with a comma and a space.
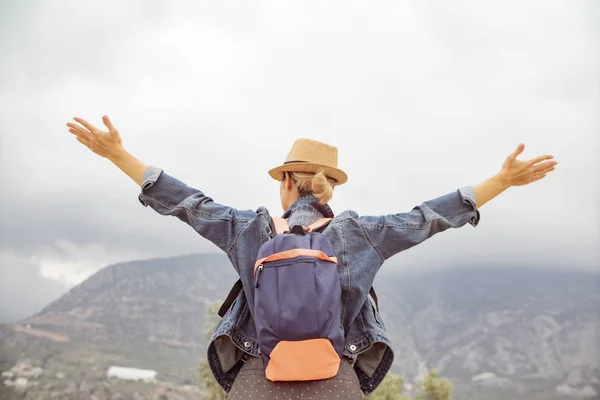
286, 299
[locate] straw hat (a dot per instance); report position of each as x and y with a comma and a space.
309, 155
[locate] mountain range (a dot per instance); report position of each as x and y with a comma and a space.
497, 332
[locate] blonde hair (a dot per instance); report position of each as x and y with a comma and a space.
316, 184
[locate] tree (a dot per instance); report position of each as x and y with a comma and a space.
432, 388
212, 389
391, 388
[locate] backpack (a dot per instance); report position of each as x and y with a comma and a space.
297, 304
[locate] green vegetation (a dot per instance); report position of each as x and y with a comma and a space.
212, 389
392, 388
432, 388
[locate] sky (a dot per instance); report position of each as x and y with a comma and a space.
420, 98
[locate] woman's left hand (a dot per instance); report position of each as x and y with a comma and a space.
518, 173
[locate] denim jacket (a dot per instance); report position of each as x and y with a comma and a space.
361, 244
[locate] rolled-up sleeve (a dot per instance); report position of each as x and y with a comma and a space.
393, 233
167, 195
150, 176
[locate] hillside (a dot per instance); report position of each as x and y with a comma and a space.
496, 332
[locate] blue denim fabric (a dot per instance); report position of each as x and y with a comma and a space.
361, 243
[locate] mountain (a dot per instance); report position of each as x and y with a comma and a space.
496, 332
519, 330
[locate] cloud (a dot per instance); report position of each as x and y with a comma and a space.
66, 262
23, 289
420, 99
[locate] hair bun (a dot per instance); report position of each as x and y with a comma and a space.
322, 187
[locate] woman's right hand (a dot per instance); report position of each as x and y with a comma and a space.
107, 144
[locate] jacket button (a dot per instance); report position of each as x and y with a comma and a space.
247, 345
352, 348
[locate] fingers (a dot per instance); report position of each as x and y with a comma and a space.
77, 129
513, 156
539, 159
540, 169
545, 167
517, 151
541, 173
108, 123
83, 122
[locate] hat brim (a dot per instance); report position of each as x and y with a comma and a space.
334, 173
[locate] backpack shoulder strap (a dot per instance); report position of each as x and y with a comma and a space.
281, 225
318, 224
235, 290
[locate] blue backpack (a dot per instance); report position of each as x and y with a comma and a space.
297, 304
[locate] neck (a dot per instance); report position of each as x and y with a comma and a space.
309, 207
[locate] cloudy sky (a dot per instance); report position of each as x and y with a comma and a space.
420, 98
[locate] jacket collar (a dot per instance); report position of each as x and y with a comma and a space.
308, 205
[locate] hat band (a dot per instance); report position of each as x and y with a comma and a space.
290, 162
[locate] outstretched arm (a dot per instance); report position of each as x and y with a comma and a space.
393, 233
165, 194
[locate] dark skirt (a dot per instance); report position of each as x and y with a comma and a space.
251, 384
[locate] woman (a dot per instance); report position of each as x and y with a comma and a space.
361, 243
